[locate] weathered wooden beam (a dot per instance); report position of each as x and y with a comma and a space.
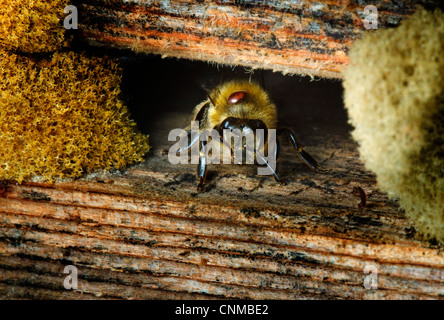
295, 37
147, 234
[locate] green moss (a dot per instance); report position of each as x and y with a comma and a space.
393, 91
62, 117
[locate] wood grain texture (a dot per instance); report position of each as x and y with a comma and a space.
295, 37
147, 234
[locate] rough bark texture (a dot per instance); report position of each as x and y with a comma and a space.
296, 37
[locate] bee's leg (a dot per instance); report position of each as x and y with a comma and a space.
276, 159
276, 156
200, 116
191, 141
221, 140
202, 166
305, 157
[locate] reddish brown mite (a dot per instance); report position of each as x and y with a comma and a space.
360, 192
236, 97
244, 106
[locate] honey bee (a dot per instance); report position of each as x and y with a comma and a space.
244, 106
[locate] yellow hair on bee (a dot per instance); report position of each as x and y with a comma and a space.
255, 105
244, 106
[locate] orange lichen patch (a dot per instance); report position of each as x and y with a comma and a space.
63, 117
32, 26
304, 37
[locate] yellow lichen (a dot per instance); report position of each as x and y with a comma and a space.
393, 91
61, 117
32, 26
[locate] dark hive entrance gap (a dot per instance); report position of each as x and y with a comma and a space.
162, 93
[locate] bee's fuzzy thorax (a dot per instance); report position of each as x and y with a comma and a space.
255, 105
245, 106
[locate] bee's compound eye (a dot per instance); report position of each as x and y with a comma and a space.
227, 123
260, 124
235, 97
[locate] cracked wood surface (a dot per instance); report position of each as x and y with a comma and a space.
146, 233
295, 37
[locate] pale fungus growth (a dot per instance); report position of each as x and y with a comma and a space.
394, 94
